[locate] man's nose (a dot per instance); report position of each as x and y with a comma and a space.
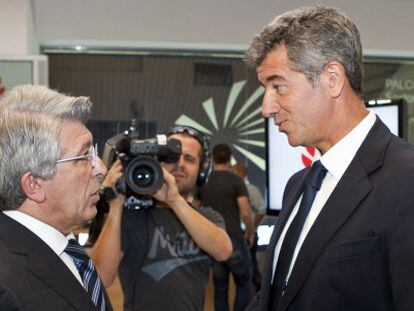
266, 105
100, 168
180, 161
269, 105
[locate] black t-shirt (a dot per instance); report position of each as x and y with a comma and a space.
221, 193
162, 267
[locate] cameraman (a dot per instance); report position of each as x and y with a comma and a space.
163, 253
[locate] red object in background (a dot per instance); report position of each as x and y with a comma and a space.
2, 89
306, 160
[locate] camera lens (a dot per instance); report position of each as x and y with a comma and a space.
144, 175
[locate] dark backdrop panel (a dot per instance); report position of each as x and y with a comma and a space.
162, 90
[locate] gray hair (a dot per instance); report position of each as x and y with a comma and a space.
28, 143
40, 99
30, 121
313, 36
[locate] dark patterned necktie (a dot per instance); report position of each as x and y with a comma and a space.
312, 185
91, 281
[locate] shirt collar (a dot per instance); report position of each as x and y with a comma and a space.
337, 159
52, 237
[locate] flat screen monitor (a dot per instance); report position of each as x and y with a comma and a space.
284, 160
23, 69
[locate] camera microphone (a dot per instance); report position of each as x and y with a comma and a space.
170, 152
123, 145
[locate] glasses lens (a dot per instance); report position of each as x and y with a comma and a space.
93, 153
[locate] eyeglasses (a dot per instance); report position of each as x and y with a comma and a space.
91, 156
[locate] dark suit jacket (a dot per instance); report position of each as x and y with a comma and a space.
359, 254
33, 277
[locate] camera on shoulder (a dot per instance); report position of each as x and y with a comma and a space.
142, 173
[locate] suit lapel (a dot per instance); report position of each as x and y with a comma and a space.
44, 263
351, 190
60, 279
336, 211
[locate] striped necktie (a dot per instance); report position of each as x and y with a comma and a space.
91, 281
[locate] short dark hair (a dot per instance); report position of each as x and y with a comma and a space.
193, 133
221, 154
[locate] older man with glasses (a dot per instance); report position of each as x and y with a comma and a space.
90, 155
50, 177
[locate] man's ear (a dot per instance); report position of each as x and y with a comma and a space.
336, 77
32, 187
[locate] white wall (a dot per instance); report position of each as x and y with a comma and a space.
386, 25
17, 35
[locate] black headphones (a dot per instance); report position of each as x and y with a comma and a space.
206, 163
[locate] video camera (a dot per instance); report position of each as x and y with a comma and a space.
142, 173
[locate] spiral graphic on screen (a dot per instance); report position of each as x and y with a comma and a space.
245, 118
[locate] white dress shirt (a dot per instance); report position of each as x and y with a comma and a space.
52, 237
336, 160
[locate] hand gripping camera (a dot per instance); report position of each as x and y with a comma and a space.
142, 173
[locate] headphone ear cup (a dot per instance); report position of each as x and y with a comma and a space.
205, 168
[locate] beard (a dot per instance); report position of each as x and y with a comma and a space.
185, 187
